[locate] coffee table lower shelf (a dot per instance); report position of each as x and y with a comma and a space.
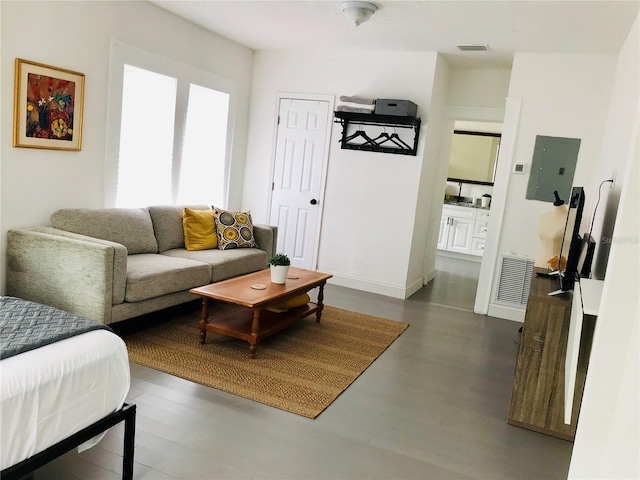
253, 324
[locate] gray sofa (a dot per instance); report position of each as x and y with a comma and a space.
114, 264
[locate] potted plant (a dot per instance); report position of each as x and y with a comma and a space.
279, 265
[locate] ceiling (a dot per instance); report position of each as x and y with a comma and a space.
423, 25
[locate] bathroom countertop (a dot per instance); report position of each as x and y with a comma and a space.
465, 204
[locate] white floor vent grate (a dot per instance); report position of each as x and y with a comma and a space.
515, 280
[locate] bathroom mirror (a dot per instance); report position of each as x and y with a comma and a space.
473, 156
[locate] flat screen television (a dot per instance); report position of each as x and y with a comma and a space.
581, 248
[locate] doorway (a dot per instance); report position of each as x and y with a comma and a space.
299, 173
474, 150
457, 278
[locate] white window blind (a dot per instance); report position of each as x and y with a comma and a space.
204, 145
169, 132
146, 138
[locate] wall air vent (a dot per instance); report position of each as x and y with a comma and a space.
473, 48
515, 280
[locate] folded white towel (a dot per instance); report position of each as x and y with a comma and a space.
347, 108
359, 100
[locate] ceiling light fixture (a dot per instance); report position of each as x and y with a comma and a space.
358, 12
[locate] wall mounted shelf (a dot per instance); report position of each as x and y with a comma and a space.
392, 142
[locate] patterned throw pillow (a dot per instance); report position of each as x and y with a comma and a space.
199, 229
234, 229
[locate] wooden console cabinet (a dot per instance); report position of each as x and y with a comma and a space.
537, 397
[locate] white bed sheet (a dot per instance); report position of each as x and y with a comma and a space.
52, 392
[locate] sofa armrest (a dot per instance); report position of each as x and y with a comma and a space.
266, 237
72, 274
120, 255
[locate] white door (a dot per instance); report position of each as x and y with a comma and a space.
443, 233
297, 179
460, 235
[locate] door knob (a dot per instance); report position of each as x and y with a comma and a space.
313, 201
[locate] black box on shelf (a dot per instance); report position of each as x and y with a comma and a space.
399, 108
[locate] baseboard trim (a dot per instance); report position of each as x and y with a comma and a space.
414, 287
508, 313
374, 287
430, 276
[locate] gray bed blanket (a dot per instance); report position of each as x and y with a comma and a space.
26, 325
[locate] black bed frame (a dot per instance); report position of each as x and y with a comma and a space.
126, 413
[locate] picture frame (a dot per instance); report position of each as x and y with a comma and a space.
48, 107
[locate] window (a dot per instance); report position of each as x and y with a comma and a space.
168, 139
146, 138
205, 131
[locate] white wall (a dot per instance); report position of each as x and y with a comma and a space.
36, 182
614, 154
608, 437
389, 205
480, 88
370, 199
562, 95
475, 96
428, 206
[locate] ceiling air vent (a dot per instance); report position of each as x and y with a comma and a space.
473, 48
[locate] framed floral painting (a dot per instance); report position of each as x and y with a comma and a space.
47, 109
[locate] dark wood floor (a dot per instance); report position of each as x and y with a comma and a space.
433, 406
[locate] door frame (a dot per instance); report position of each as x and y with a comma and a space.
325, 160
506, 158
508, 116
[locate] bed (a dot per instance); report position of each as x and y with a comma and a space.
60, 387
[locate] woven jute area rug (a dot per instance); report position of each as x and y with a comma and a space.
301, 369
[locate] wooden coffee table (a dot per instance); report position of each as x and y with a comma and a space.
253, 323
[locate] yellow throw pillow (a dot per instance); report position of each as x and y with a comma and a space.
199, 229
234, 229
291, 303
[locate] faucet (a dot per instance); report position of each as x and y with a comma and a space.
459, 191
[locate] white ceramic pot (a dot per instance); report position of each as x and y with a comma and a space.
279, 273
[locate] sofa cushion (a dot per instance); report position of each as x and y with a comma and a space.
130, 227
167, 224
225, 263
153, 275
235, 229
199, 229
